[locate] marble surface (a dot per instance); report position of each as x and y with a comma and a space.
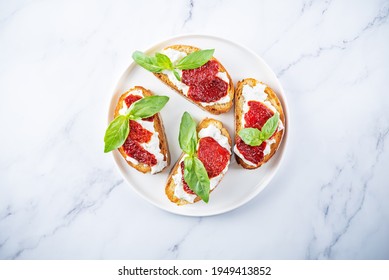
61, 197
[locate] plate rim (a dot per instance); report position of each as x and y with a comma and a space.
284, 143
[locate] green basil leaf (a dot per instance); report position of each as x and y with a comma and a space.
251, 136
195, 59
270, 127
176, 74
147, 62
255, 137
147, 107
163, 61
196, 176
116, 133
188, 134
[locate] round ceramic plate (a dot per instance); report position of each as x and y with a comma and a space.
238, 185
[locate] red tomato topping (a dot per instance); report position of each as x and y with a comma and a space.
213, 156
131, 99
138, 133
257, 115
251, 153
206, 72
136, 136
136, 151
203, 84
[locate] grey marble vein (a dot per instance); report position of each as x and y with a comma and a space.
174, 250
190, 12
375, 22
351, 205
327, 6
68, 218
6, 213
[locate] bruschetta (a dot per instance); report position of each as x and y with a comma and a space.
146, 148
213, 150
255, 104
193, 73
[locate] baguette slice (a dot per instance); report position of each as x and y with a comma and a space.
239, 102
170, 185
158, 127
215, 109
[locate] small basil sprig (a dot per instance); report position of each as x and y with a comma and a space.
195, 174
255, 137
160, 62
195, 59
118, 130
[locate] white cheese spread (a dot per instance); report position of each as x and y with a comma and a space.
236, 151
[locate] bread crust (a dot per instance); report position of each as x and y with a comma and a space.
158, 126
170, 185
272, 97
215, 109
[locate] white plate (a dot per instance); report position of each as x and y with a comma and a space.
238, 185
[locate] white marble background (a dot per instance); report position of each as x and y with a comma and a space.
61, 197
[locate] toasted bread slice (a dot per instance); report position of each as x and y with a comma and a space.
213, 109
158, 127
170, 185
239, 101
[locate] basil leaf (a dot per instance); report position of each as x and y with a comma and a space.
147, 62
196, 176
176, 74
270, 127
251, 136
188, 134
147, 107
255, 137
163, 61
116, 133
195, 59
